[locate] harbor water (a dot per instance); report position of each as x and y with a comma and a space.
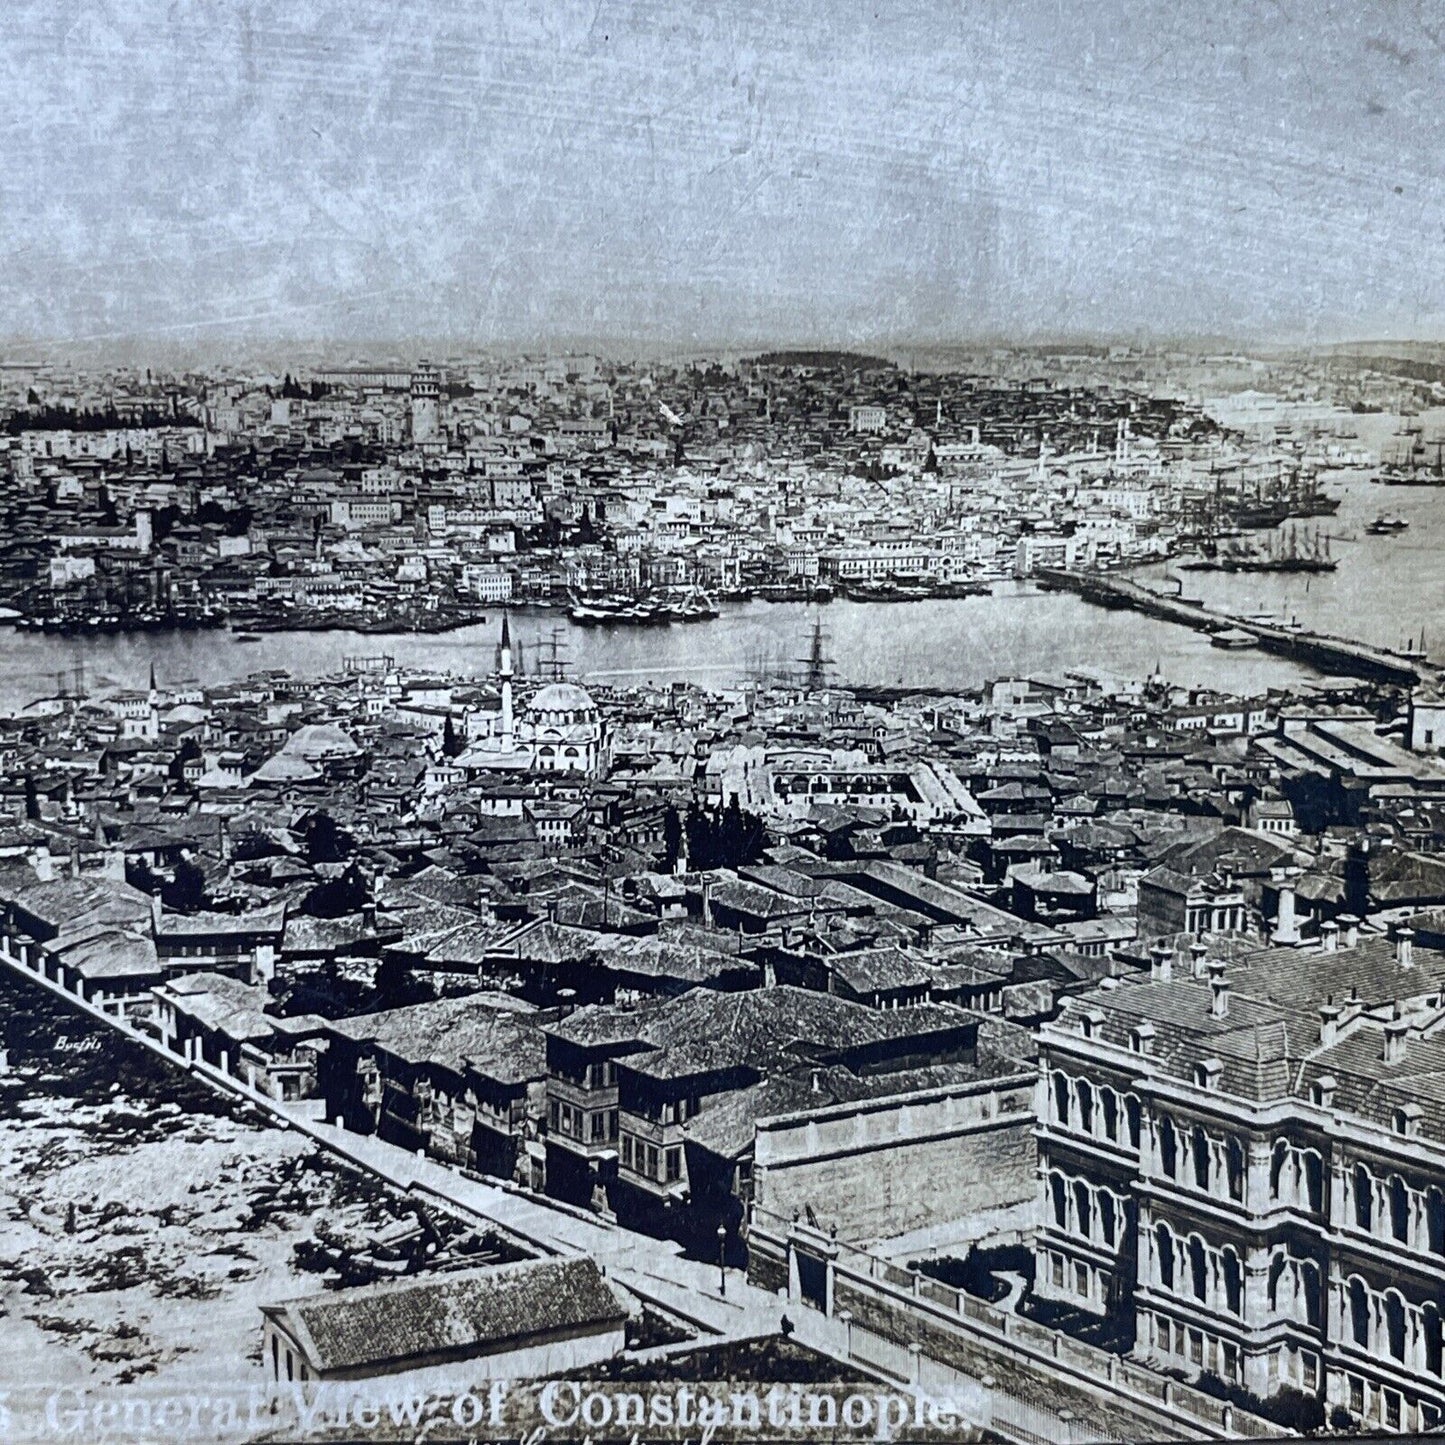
1385, 590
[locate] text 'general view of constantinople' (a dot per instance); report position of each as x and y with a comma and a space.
916, 881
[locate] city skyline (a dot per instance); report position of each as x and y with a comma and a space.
504, 178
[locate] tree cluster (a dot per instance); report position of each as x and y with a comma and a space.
725, 837
107, 418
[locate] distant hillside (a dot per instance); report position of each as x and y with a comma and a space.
1409, 368
825, 360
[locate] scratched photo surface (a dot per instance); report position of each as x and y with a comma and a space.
718, 721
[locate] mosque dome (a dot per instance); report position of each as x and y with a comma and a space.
562, 702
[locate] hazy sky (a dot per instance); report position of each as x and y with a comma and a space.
715, 172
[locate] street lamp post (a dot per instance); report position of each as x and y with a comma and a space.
722, 1254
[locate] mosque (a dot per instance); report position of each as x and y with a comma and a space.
559, 730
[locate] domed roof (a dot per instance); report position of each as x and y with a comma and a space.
319, 740
562, 697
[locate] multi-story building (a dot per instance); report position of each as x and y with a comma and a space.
1247, 1161
652, 1107
457, 1077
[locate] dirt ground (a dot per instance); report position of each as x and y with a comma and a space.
144, 1221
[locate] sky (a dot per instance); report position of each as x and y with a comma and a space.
721, 174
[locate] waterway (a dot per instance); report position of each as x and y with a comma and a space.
1385, 590
942, 644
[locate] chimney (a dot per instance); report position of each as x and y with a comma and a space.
817, 1081
1395, 1032
1329, 936
44, 866
1161, 963
368, 916
1286, 929
1329, 1023
1219, 997
75, 860
1405, 947
1350, 930
707, 900
1197, 953
1357, 877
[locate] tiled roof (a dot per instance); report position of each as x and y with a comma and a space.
456, 1033
453, 1317
1269, 1038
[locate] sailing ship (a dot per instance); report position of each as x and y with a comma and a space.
1287, 553
690, 604
1278, 498
1412, 465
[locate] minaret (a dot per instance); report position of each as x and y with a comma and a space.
153, 717
506, 672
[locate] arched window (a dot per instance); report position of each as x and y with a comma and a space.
1276, 1167
1359, 1313
1109, 1106
1061, 1208
1276, 1273
1086, 1106
1199, 1147
1399, 1209
1164, 1248
1168, 1147
1430, 1325
1061, 1098
1108, 1217
1133, 1117
1364, 1198
1309, 1277
1198, 1273
1084, 1208
1234, 1166
1233, 1282
1395, 1324
1314, 1180
1435, 1219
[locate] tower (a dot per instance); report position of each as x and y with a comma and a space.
506, 675
425, 403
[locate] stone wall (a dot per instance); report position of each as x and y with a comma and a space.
878, 1172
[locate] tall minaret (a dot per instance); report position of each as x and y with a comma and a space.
506, 672
153, 715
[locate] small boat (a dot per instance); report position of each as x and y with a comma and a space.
1234, 639
248, 637
1386, 525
